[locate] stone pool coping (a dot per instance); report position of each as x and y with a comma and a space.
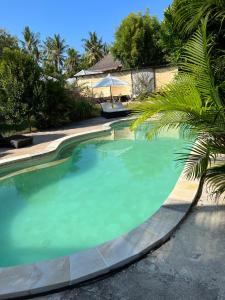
44, 276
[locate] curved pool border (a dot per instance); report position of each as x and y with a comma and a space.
49, 275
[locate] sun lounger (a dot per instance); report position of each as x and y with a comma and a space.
113, 110
16, 141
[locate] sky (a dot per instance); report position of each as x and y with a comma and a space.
73, 19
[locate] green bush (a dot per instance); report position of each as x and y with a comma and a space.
53, 109
81, 109
58, 106
19, 86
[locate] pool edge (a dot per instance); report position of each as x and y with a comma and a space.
46, 276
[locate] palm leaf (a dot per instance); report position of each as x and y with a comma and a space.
196, 61
189, 13
215, 179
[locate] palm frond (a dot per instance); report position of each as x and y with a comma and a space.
215, 179
197, 158
196, 61
189, 13
180, 96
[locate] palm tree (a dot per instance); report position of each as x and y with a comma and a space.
31, 43
106, 48
55, 52
72, 62
94, 47
193, 103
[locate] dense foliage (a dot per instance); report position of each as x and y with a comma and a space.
182, 19
171, 40
27, 96
136, 41
19, 85
7, 41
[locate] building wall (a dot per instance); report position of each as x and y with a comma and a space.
90, 80
162, 77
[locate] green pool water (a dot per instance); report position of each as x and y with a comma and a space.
93, 192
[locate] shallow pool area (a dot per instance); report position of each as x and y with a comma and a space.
93, 192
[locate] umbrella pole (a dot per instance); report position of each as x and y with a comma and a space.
111, 94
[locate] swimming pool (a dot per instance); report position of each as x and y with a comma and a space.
94, 191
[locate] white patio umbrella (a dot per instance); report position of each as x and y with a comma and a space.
110, 81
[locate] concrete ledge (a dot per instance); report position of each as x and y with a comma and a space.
45, 276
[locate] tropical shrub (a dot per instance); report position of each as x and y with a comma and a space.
82, 109
53, 108
19, 86
58, 106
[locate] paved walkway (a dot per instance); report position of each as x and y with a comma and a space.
191, 265
42, 139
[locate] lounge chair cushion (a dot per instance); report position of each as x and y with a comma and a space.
113, 110
112, 107
17, 141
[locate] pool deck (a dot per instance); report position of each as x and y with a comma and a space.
67, 271
42, 139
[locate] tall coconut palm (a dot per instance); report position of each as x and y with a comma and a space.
192, 103
31, 43
94, 48
72, 62
55, 52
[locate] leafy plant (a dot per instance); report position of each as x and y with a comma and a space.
19, 85
53, 107
81, 109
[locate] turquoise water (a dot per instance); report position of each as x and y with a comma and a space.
95, 191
